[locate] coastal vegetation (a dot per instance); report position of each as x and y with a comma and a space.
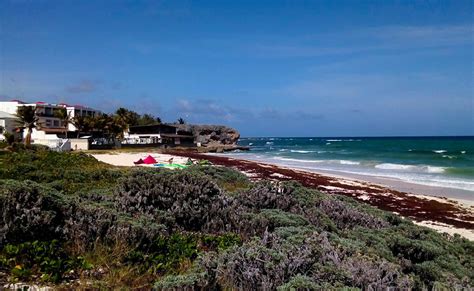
72, 221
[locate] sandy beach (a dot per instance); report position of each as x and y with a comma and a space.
127, 159
451, 215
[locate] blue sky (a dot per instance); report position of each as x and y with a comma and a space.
268, 68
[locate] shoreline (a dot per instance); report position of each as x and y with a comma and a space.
439, 213
465, 197
382, 180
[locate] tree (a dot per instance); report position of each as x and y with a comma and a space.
111, 126
64, 118
127, 116
98, 122
117, 125
148, 119
27, 119
81, 123
181, 121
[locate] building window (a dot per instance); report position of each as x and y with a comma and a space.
56, 123
48, 111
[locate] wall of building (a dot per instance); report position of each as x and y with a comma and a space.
8, 107
9, 124
79, 144
80, 111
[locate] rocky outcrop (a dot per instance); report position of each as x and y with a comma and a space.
211, 135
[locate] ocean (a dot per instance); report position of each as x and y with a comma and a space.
432, 161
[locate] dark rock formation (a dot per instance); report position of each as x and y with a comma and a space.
210, 135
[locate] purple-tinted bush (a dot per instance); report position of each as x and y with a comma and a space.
263, 264
28, 211
191, 199
347, 217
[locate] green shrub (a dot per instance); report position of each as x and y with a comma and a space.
279, 218
190, 198
69, 172
226, 178
29, 211
429, 272
165, 254
192, 281
414, 250
46, 259
220, 242
299, 283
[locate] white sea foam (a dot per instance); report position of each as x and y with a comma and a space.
251, 143
301, 151
433, 169
297, 160
328, 143
344, 162
421, 168
463, 152
447, 156
388, 166
269, 142
334, 140
439, 151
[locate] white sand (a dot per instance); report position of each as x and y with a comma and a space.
441, 228
127, 159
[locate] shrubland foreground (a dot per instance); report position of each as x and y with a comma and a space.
70, 221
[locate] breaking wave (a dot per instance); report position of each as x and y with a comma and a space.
402, 167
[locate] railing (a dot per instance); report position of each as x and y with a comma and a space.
101, 143
59, 144
65, 145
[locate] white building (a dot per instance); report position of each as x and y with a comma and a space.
7, 124
47, 120
79, 110
48, 126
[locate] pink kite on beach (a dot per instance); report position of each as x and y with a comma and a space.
149, 160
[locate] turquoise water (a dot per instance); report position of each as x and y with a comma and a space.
434, 161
